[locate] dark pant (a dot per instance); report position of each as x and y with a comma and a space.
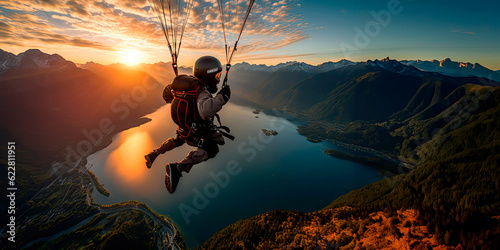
208, 149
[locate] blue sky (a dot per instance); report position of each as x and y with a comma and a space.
278, 31
460, 30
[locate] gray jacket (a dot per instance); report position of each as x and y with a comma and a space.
208, 106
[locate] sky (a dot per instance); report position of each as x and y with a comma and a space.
127, 31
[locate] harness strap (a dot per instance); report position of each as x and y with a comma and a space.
217, 116
228, 136
226, 131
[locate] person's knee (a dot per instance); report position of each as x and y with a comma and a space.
211, 148
217, 138
178, 142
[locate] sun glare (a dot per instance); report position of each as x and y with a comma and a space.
131, 57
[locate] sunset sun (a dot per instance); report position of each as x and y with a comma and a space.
131, 57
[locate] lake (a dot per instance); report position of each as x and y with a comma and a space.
251, 175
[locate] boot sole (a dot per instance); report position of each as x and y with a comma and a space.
148, 161
168, 184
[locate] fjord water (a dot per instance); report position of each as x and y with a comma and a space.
251, 175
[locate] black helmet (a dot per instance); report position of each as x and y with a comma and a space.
208, 69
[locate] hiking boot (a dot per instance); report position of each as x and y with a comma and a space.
172, 177
150, 158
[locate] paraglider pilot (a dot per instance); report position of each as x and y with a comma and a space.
193, 109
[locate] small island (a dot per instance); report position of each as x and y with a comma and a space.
314, 140
269, 132
257, 111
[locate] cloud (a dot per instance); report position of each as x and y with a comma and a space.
76, 41
50, 2
463, 32
270, 56
26, 29
6, 30
76, 8
122, 24
282, 2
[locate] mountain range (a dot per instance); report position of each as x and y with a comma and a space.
373, 91
451, 68
445, 67
52, 101
443, 127
33, 59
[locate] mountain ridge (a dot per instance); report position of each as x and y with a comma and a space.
33, 59
453, 68
373, 91
445, 67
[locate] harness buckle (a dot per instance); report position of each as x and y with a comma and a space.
199, 142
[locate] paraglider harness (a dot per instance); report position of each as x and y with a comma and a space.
191, 127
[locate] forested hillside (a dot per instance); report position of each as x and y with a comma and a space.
448, 130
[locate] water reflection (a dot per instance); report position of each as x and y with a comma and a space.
126, 163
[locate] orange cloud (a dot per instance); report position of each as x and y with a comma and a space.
119, 24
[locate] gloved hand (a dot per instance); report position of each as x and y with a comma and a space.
225, 92
167, 94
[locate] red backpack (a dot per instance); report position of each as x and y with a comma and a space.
184, 109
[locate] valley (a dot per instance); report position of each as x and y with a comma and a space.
434, 138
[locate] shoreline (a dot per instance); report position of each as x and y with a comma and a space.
388, 167
176, 238
132, 204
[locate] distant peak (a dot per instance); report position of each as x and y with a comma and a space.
91, 63
387, 59
343, 60
34, 51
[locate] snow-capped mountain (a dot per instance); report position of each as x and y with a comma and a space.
452, 68
406, 67
244, 66
395, 66
294, 66
33, 59
7, 60
328, 66
300, 67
